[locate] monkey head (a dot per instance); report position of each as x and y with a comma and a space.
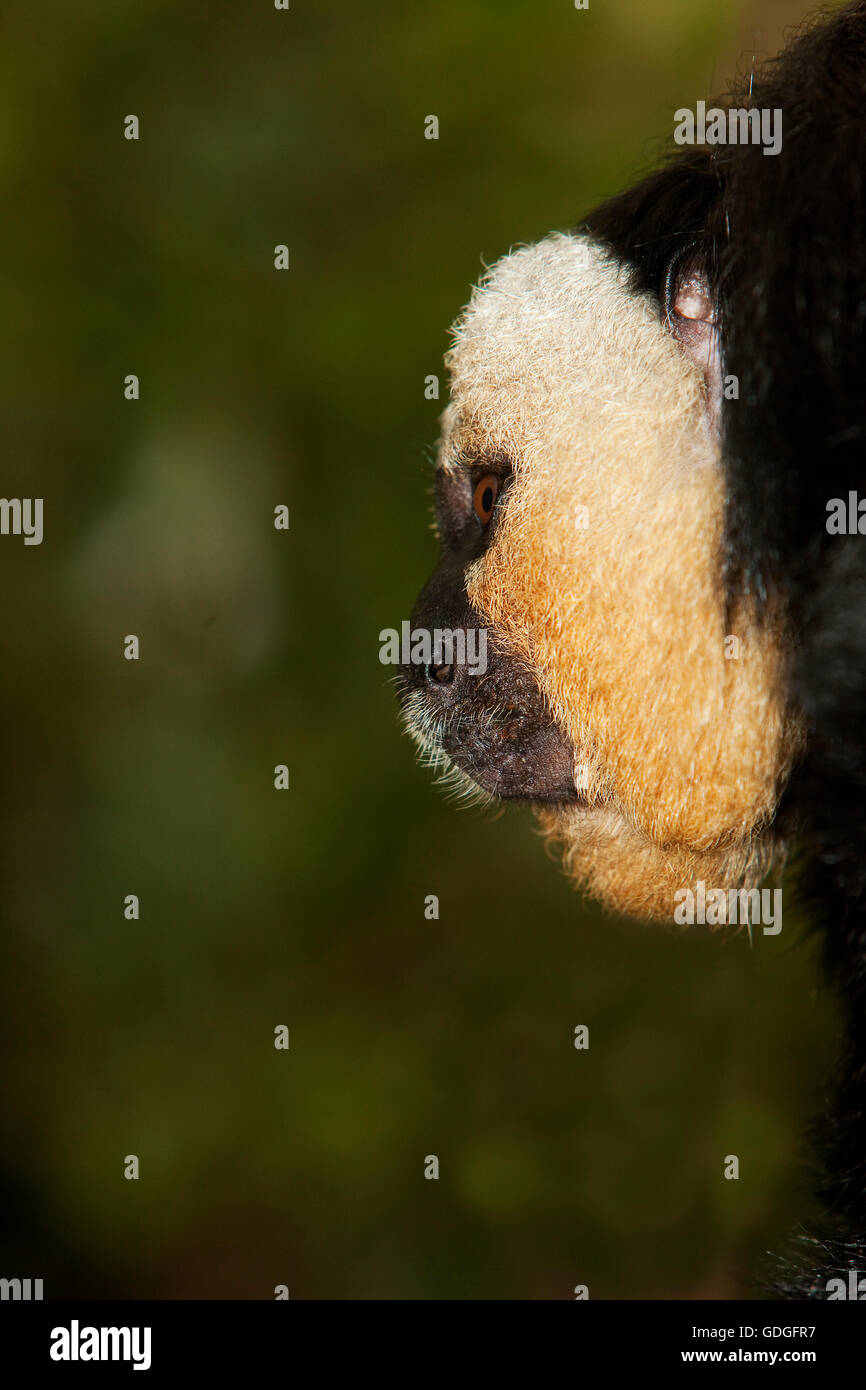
580, 508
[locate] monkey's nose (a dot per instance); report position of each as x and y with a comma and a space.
440, 675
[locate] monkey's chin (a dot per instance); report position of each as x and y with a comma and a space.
484, 757
492, 789
630, 874
493, 786
521, 778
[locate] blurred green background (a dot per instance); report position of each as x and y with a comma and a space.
306, 907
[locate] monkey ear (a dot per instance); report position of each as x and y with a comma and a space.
690, 315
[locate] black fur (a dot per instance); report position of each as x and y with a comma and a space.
783, 240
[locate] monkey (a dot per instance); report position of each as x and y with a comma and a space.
656, 421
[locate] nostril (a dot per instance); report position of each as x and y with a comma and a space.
440, 675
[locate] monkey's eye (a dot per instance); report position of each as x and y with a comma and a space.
484, 497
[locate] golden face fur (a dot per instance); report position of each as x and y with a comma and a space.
603, 575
